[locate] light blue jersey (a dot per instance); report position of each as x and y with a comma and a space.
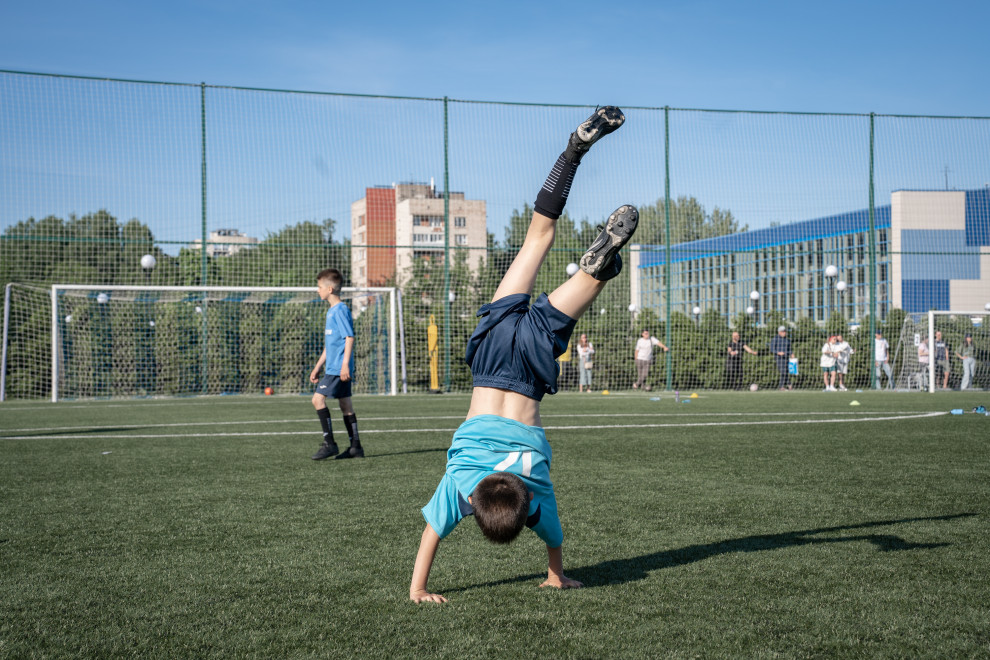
338, 328
486, 444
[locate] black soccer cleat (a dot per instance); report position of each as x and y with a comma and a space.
601, 123
352, 452
326, 450
602, 260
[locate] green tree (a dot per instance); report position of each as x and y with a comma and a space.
689, 221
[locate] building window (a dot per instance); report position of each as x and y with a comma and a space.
460, 239
460, 222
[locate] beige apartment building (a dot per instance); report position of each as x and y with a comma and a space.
393, 226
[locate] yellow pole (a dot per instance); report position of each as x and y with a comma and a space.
432, 347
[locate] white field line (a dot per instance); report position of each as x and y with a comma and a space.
364, 420
451, 430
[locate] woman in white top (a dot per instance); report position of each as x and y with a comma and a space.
585, 350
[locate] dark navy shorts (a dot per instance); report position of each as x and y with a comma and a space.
515, 347
333, 387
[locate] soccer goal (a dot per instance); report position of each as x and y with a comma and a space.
119, 341
931, 352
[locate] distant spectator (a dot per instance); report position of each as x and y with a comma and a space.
644, 356
923, 361
966, 353
585, 350
843, 355
881, 350
942, 367
780, 348
828, 360
733, 362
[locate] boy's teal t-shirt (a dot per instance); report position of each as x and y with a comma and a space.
486, 444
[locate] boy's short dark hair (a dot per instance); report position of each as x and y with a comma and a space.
333, 276
501, 505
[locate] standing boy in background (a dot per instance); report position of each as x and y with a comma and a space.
338, 354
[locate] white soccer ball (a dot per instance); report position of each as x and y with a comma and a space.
571, 268
754, 387
102, 298
148, 262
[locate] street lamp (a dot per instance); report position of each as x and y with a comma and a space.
696, 312
750, 310
840, 286
831, 272
754, 295
632, 318
148, 262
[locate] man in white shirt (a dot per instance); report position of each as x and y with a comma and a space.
844, 353
881, 350
643, 354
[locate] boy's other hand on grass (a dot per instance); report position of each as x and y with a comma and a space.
423, 596
562, 582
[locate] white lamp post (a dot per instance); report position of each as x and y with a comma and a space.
831, 272
754, 295
696, 311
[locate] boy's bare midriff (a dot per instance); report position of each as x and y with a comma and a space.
511, 405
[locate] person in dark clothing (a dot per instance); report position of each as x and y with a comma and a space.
780, 347
733, 362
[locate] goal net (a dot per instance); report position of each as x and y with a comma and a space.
933, 353
121, 341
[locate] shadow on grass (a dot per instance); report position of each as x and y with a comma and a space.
621, 571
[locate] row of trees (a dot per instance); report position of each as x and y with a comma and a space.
244, 348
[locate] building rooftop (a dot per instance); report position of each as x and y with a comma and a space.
806, 230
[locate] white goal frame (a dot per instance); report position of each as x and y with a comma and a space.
985, 314
392, 292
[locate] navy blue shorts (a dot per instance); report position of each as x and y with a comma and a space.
333, 387
515, 347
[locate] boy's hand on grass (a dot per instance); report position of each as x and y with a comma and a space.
423, 596
562, 582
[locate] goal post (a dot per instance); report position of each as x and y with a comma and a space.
129, 340
927, 355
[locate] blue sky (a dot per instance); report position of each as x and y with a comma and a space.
279, 159
887, 57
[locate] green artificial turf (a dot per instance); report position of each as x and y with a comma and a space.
738, 525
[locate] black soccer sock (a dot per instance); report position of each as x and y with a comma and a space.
552, 197
350, 422
324, 415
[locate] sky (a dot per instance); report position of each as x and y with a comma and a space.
278, 159
904, 57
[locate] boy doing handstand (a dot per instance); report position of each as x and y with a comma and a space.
498, 465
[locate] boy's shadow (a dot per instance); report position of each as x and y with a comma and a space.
621, 571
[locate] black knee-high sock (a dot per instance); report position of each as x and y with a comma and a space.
552, 197
350, 422
324, 415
